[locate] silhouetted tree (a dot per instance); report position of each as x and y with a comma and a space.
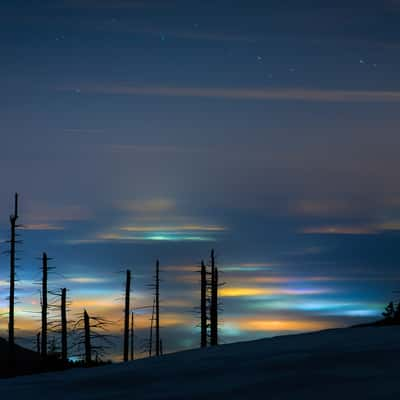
127, 311
44, 304
203, 305
38, 343
13, 242
64, 324
214, 302
389, 312
91, 333
157, 308
88, 344
151, 328
396, 315
133, 335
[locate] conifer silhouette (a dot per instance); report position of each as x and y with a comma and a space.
389, 312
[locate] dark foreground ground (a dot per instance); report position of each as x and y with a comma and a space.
357, 363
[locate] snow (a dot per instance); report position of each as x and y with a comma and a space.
359, 363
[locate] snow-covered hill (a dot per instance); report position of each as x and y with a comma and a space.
27, 360
357, 363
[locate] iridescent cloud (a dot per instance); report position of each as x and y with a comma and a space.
340, 230
255, 323
191, 228
283, 94
42, 227
262, 292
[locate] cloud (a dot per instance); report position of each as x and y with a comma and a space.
150, 206
46, 214
339, 230
191, 228
250, 267
255, 323
168, 236
182, 268
156, 236
86, 280
262, 292
263, 94
323, 208
42, 227
372, 229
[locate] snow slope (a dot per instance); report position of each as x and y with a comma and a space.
359, 363
27, 360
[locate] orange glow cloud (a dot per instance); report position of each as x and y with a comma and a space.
253, 291
276, 325
84, 280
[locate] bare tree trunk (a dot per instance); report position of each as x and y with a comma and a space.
64, 346
11, 337
38, 343
151, 330
133, 335
157, 308
203, 305
127, 311
88, 346
44, 305
214, 302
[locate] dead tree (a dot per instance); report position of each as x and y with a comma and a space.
91, 334
214, 302
88, 345
133, 335
127, 311
203, 305
64, 343
151, 329
13, 242
38, 343
155, 316
157, 308
44, 304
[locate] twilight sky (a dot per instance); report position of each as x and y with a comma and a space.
269, 130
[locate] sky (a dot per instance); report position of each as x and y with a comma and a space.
267, 130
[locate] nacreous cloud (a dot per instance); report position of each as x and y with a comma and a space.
284, 94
